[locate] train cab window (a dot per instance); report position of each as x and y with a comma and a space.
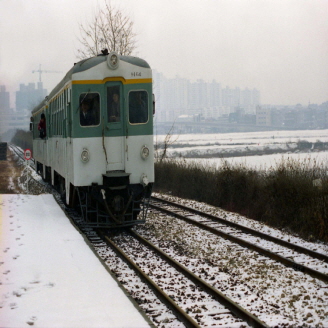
89, 109
138, 107
113, 104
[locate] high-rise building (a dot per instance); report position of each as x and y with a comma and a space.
179, 96
28, 96
4, 99
263, 116
10, 119
215, 94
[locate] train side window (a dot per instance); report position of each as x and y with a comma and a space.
138, 107
113, 104
89, 109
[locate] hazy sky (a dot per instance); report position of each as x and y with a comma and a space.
279, 47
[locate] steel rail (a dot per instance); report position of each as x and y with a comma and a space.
221, 298
289, 263
18, 152
281, 242
179, 313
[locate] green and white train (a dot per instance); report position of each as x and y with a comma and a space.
98, 149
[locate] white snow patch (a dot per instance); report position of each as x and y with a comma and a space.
49, 276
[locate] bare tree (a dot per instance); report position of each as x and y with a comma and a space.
161, 149
111, 29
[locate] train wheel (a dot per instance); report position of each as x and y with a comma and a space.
62, 190
39, 168
72, 196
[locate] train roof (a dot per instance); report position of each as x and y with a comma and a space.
84, 65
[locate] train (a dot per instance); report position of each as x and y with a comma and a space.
93, 139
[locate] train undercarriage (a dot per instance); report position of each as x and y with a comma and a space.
103, 206
116, 203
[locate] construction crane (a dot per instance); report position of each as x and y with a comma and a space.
40, 71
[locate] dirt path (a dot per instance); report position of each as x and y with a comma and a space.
10, 171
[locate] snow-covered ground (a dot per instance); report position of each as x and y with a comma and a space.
249, 138
224, 144
264, 162
277, 295
49, 277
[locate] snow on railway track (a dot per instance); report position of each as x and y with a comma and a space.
299, 258
274, 293
200, 300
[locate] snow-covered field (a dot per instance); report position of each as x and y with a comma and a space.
267, 161
210, 145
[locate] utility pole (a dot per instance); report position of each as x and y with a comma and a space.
40, 71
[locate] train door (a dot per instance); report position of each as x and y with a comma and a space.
68, 135
114, 119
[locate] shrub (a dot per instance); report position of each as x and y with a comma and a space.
304, 144
283, 197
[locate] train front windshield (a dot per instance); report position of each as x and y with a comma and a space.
138, 107
89, 109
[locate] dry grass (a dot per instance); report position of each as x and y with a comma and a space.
284, 197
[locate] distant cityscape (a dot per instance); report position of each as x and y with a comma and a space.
181, 97
26, 97
194, 106
209, 107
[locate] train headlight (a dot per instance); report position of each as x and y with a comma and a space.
85, 155
113, 60
144, 152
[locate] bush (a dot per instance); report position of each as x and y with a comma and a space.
304, 144
283, 197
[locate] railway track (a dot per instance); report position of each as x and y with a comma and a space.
20, 153
33, 183
194, 301
313, 263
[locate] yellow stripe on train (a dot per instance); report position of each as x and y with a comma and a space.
113, 79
